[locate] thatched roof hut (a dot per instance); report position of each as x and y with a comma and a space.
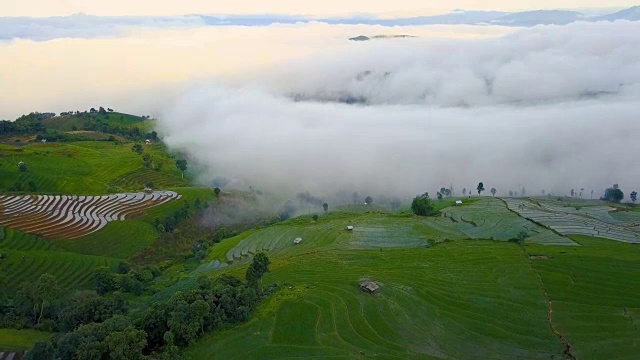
369, 286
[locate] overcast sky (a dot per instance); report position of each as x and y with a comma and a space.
327, 7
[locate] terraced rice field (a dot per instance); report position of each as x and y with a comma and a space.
491, 219
594, 221
70, 217
86, 168
26, 257
463, 299
594, 291
11, 355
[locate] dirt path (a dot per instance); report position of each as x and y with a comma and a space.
563, 340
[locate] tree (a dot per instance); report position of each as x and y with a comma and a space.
523, 192
356, 197
104, 280
315, 217
148, 160
216, 191
493, 191
137, 148
464, 191
22, 166
325, 206
259, 266
439, 195
510, 192
572, 192
480, 188
39, 294
368, 200
543, 191
181, 164
421, 205
633, 196
126, 344
41, 350
581, 191
613, 194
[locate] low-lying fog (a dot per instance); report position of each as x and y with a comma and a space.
550, 108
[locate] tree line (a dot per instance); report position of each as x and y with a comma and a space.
98, 324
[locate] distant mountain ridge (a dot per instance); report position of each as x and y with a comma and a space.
631, 14
90, 26
456, 17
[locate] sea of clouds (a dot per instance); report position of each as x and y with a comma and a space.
551, 107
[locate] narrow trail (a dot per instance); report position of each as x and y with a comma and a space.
563, 340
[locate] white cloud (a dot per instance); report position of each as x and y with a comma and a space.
549, 108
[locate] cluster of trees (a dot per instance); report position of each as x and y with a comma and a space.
146, 157
99, 327
575, 193
93, 121
523, 192
613, 194
170, 222
44, 305
445, 192
199, 249
422, 206
130, 132
56, 136
25, 124
125, 279
356, 199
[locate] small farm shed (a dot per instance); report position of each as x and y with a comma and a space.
458, 202
349, 227
147, 142
369, 286
148, 190
297, 241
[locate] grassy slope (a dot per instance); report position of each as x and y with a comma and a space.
595, 290
16, 340
27, 257
66, 123
460, 299
85, 167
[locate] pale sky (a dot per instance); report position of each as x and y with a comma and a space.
298, 7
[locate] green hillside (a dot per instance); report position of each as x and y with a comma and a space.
92, 121
86, 167
438, 298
